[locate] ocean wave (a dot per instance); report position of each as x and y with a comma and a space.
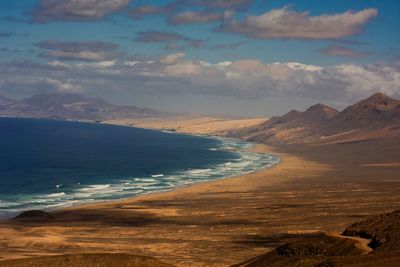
241, 164
199, 171
147, 180
245, 162
95, 187
6, 204
56, 194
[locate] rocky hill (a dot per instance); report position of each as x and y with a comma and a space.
320, 249
374, 117
69, 106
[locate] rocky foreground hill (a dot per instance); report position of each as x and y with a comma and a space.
322, 250
375, 117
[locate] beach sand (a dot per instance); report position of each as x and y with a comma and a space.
219, 223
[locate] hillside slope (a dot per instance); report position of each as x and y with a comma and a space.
324, 250
69, 106
375, 117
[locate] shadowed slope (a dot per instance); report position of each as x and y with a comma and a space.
322, 250
86, 260
375, 117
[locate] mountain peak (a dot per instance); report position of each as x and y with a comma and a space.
378, 95
291, 114
378, 101
376, 108
381, 100
3, 97
5, 100
72, 106
53, 98
323, 110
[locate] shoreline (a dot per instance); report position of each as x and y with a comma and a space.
209, 203
181, 188
60, 207
223, 222
260, 148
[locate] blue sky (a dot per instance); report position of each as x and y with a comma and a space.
102, 39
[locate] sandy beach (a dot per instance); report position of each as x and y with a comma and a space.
125, 130
314, 188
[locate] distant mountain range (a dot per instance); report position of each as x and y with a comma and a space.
68, 106
374, 117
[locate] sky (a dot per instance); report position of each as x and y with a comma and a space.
225, 57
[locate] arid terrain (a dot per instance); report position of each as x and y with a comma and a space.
192, 124
290, 214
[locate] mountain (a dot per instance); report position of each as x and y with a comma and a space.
377, 115
292, 126
4, 101
8, 106
71, 106
321, 111
375, 108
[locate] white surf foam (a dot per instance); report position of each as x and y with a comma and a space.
56, 194
245, 162
199, 171
95, 187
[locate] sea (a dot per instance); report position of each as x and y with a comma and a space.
49, 164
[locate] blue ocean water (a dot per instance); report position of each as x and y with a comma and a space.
46, 164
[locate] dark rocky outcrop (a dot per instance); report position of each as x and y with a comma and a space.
34, 215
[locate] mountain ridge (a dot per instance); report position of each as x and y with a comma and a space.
377, 115
71, 106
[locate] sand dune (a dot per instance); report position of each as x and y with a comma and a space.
193, 125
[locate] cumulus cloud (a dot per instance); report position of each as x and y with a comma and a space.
344, 52
198, 17
176, 41
191, 17
94, 46
172, 58
286, 23
81, 10
84, 50
174, 75
142, 11
148, 10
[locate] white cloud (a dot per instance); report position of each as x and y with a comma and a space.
81, 55
242, 79
172, 58
190, 17
183, 69
344, 52
286, 23
55, 10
